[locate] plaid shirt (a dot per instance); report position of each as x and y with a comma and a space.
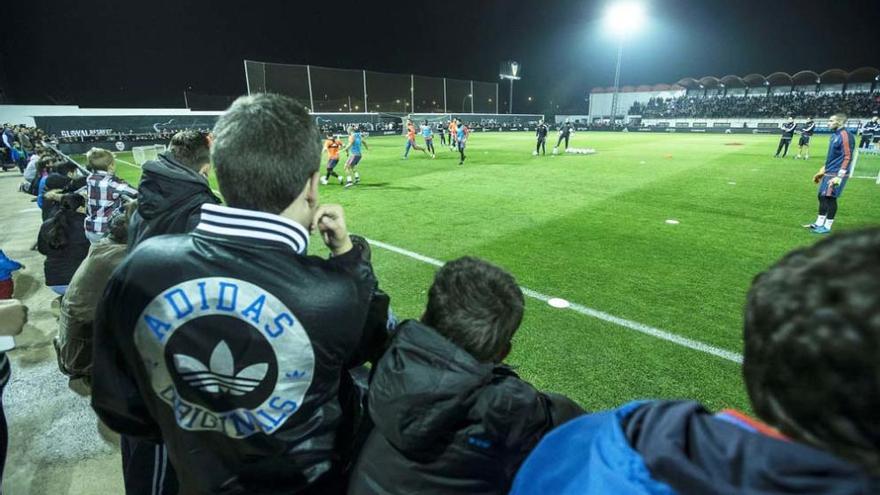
104, 198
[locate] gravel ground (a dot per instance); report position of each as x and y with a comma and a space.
54, 443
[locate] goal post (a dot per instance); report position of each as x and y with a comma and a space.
866, 163
143, 154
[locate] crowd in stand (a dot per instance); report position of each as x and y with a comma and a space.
797, 104
232, 362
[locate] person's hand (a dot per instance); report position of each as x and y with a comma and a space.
836, 181
818, 178
329, 221
13, 316
53, 195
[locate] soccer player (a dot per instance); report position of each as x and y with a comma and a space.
441, 129
411, 140
353, 148
453, 134
804, 141
787, 133
868, 131
461, 137
833, 176
332, 146
428, 135
541, 134
564, 133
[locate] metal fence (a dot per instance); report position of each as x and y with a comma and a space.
345, 90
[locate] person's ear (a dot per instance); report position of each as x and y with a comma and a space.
504, 353
312, 189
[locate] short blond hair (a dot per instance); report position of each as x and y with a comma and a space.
99, 159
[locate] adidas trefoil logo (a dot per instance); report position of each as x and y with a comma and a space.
219, 376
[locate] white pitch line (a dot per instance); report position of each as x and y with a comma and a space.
579, 308
594, 313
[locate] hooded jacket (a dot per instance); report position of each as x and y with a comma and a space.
61, 262
668, 447
170, 197
229, 345
447, 423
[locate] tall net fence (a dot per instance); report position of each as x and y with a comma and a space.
325, 89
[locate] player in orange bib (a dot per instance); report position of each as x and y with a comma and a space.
332, 146
453, 133
411, 140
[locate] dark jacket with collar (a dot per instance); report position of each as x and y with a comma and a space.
675, 447
447, 423
229, 345
170, 197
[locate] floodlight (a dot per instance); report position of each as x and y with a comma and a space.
624, 18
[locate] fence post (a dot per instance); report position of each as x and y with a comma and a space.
444, 96
311, 98
472, 96
366, 106
412, 93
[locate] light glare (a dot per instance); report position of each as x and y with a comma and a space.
625, 18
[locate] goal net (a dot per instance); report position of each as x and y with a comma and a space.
867, 164
143, 154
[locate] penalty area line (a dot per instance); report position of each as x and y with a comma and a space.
578, 308
593, 313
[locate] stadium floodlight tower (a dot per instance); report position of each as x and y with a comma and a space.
623, 20
510, 70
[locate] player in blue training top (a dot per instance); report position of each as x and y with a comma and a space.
833, 176
804, 141
461, 135
787, 133
353, 148
428, 136
869, 131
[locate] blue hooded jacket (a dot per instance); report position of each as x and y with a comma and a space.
667, 447
7, 266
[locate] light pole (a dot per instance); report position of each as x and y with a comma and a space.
469, 95
622, 19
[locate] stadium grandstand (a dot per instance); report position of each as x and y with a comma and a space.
751, 100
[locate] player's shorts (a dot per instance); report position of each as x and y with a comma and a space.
353, 160
804, 140
876, 139
826, 189
461, 145
332, 163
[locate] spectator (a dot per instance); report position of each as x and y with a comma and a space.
63, 242
7, 266
105, 193
55, 185
74, 341
173, 189
470, 434
254, 342
812, 337
13, 316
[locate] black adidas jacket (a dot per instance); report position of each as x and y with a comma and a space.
228, 344
447, 423
170, 198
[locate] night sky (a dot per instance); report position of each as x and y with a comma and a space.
145, 53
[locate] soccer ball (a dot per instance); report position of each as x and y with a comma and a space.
555, 150
534, 153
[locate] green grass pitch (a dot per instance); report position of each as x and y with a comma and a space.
592, 229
